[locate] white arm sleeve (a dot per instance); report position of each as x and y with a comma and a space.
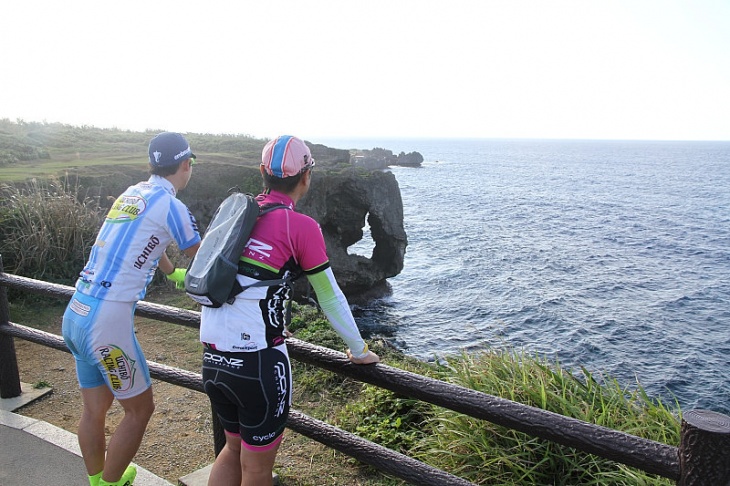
335, 307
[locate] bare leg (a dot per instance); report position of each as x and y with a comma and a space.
238, 466
257, 465
226, 469
126, 439
92, 440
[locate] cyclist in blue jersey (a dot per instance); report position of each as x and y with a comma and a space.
246, 370
98, 325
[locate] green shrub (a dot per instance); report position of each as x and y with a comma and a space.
388, 419
41, 384
485, 453
45, 231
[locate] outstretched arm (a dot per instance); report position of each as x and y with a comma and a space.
335, 307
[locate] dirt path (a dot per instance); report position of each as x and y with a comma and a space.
179, 438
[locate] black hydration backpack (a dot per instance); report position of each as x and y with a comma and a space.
211, 276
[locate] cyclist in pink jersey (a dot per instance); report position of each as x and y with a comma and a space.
246, 371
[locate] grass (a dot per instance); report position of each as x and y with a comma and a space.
46, 231
477, 450
19, 172
485, 453
32, 149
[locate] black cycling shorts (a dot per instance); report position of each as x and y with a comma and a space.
249, 392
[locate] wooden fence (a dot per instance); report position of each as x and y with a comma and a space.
703, 457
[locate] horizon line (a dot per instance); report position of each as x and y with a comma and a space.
384, 137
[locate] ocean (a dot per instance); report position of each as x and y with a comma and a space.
608, 255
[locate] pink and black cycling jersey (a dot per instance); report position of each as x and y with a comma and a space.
283, 243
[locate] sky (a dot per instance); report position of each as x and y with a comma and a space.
575, 69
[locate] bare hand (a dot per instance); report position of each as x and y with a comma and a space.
367, 359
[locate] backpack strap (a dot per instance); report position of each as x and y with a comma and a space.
270, 207
237, 287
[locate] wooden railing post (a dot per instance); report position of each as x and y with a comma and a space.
219, 436
9, 376
704, 449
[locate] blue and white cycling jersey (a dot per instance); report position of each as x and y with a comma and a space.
142, 222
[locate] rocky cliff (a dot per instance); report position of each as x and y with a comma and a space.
340, 200
342, 203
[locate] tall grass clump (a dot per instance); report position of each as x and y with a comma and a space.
477, 450
46, 230
485, 453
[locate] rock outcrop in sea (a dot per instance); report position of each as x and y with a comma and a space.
342, 203
378, 158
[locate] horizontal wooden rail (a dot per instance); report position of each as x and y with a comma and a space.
145, 309
650, 456
382, 458
647, 455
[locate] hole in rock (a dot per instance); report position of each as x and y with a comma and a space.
365, 246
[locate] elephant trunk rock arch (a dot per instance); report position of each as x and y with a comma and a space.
341, 202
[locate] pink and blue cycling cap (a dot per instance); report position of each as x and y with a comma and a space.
286, 156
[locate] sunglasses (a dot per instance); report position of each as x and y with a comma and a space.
307, 166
